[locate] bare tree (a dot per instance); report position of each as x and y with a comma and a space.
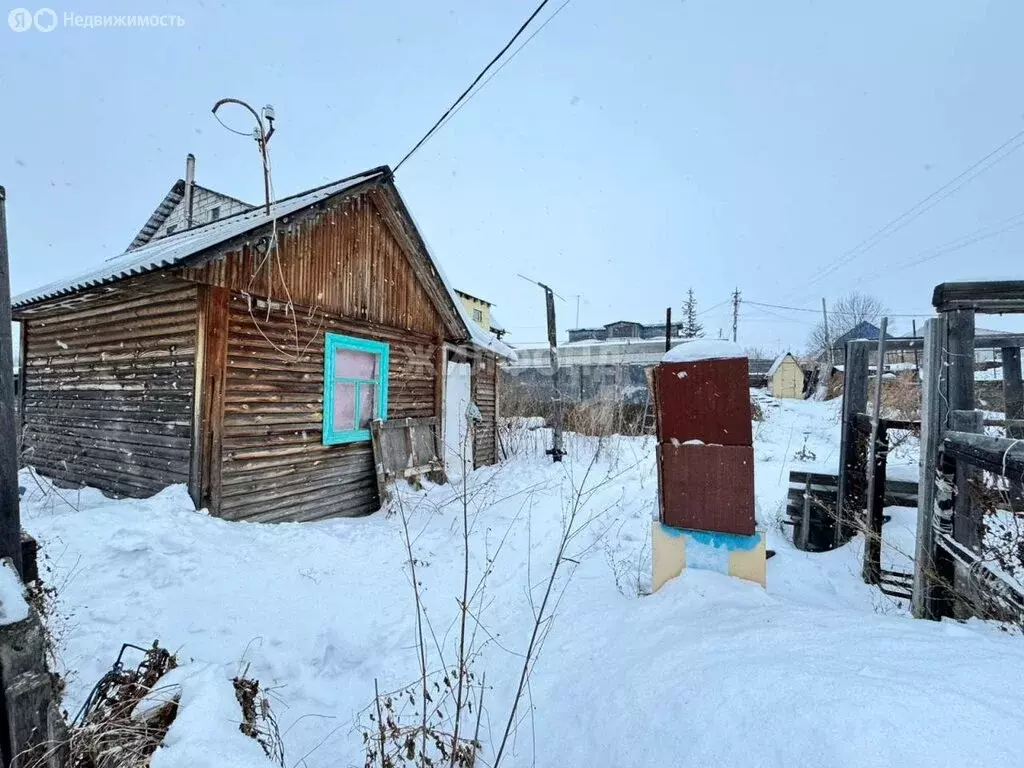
844, 315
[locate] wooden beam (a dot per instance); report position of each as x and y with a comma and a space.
876, 477
913, 343
851, 467
22, 369
932, 418
986, 297
195, 461
1000, 455
967, 523
896, 344
999, 341
960, 359
214, 380
1013, 392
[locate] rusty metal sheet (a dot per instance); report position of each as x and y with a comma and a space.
707, 487
706, 400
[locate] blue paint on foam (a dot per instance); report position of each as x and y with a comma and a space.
729, 541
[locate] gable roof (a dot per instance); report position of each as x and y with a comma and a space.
184, 247
167, 205
778, 363
170, 203
862, 330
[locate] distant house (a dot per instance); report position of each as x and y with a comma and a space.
624, 329
786, 378
481, 312
185, 206
247, 355
862, 330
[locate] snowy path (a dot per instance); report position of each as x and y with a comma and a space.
710, 671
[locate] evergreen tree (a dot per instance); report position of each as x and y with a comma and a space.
692, 327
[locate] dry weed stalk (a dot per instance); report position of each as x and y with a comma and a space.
258, 720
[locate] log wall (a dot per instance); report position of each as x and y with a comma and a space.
272, 464
107, 395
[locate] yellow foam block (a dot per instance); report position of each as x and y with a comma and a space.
673, 549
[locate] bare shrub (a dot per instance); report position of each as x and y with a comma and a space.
901, 397
108, 731
756, 413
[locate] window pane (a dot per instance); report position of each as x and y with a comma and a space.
367, 405
350, 364
344, 406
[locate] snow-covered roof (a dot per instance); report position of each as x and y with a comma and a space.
176, 249
703, 349
778, 363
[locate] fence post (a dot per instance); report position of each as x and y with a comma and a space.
872, 571
10, 515
850, 497
1013, 391
933, 417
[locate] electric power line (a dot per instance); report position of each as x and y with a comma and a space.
505, 63
716, 306
957, 243
922, 206
476, 80
816, 311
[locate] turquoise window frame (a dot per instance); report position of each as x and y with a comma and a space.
332, 343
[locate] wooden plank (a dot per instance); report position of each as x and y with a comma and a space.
960, 360
999, 341
987, 296
805, 525
851, 464
1013, 392
877, 448
22, 364
1000, 455
932, 421
967, 517
892, 343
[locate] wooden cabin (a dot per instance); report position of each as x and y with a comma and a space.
247, 356
786, 378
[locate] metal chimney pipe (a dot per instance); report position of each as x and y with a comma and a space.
190, 182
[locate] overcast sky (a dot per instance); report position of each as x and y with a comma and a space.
630, 151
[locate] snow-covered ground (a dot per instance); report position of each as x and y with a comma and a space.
816, 670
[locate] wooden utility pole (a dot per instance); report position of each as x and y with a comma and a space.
555, 451
735, 311
828, 340
10, 512
668, 328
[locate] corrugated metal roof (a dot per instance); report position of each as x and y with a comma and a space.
175, 249
168, 204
